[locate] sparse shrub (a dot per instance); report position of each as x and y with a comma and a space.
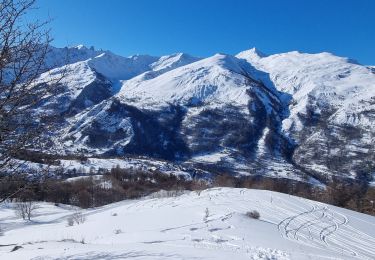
79, 218
25, 209
117, 231
70, 221
253, 214
76, 218
206, 215
114, 214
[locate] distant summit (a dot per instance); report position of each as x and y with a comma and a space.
252, 54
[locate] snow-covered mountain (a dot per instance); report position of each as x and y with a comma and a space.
332, 113
292, 113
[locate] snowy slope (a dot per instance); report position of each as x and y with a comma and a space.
164, 64
215, 79
336, 83
332, 109
177, 228
115, 67
79, 88
169, 62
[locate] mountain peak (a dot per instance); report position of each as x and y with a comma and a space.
83, 47
257, 52
141, 56
173, 61
251, 54
80, 46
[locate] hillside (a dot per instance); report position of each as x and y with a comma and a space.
179, 228
332, 111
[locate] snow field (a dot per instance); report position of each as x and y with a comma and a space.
178, 228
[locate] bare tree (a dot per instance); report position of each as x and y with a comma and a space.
23, 49
26, 209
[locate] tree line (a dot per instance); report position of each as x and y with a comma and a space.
119, 184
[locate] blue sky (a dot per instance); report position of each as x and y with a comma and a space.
205, 27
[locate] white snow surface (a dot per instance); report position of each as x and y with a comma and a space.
173, 61
179, 228
76, 75
116, 67
215, 79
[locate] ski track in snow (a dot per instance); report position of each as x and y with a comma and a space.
325, 228
318, 227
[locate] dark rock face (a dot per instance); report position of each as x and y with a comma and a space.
92, 94
156, 133
210, 129
338, 149
149, 133
327, 147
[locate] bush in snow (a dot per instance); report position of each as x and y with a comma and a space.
76, 218
253, 214
70, 221
25, 209
117, 231
206, 215
79, 218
